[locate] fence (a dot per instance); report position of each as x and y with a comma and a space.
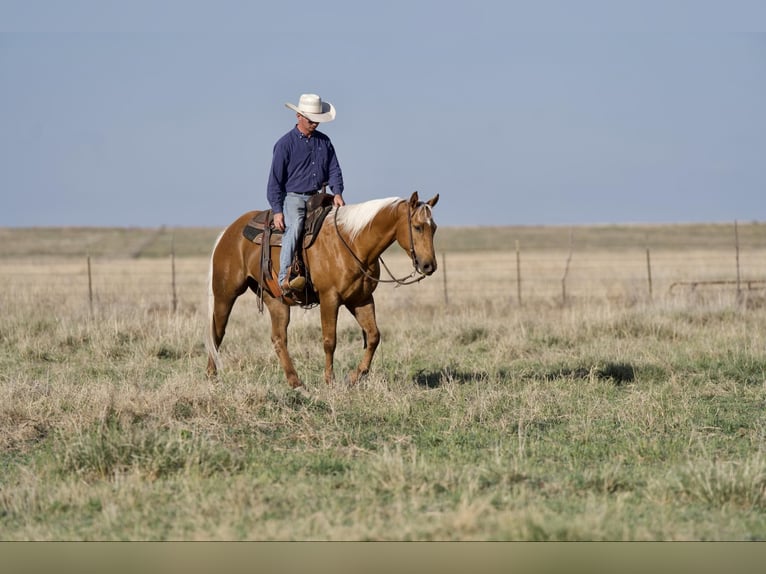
518, 276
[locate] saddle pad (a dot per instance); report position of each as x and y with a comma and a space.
253, 231
275, 239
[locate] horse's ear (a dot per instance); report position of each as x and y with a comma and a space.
414, 200
433, 201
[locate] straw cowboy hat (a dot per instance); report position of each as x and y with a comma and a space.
312, 106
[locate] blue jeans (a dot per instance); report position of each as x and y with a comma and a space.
294, 211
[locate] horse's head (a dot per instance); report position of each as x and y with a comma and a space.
416, 234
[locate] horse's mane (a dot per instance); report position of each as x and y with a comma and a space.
355, 217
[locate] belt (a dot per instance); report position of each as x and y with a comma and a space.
305, 192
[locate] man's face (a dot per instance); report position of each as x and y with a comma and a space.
306, 125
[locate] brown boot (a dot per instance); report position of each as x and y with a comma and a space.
296, 284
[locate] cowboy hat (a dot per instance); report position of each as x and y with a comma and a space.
312, 106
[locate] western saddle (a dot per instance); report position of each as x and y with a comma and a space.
261, 231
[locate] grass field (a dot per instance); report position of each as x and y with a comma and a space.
613, 416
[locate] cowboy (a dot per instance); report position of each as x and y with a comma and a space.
304, 159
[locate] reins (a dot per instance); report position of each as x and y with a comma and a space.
408, 280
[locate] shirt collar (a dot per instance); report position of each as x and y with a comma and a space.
299, 133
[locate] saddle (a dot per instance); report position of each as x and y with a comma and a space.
261, 231
261, 226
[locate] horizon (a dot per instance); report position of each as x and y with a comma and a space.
441, 226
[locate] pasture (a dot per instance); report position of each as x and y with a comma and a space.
611, 414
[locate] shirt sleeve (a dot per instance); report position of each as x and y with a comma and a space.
275, 190
336, 175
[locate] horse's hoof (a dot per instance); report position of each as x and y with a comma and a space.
354, 378
301, 391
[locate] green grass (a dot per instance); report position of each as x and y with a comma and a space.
484, 423
611, 417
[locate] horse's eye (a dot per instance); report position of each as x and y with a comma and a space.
418, 228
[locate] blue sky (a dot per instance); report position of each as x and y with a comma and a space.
516, 113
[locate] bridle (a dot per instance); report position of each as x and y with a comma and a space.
413, 277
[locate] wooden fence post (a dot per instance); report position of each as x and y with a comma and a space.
649, 272
444, 271
518, 272
736, 249
173, 270
90, 289
566, 269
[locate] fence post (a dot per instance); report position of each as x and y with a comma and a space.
444, 271
518, 272
736, 249
90, 289
173, 269
649, 272
566, 269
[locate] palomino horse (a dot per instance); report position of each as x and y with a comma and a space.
343, 264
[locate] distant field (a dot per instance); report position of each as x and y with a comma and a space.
191, 241
626, 263
615, 413
105, 241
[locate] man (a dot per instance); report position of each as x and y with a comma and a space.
304, 159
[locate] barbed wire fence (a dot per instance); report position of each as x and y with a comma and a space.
515, 276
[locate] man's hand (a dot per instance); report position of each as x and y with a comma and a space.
337, 200
279, 221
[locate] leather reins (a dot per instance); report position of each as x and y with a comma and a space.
408, 280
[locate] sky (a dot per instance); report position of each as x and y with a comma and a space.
149, 113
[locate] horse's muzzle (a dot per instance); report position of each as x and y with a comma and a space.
426, 267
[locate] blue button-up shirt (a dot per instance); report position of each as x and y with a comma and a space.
302, 165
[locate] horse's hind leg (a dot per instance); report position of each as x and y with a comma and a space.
365, 316
224, 286
280, 319
219, 317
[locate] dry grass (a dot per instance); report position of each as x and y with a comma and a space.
613, 417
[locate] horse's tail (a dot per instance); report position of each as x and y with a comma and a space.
210, 345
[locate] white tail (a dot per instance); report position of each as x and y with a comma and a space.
209, 335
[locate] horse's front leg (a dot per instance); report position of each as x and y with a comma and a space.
365, 316
280, 319
329, 311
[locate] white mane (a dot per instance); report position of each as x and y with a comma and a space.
354, 218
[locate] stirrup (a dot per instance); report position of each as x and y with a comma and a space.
298, 283
294, 284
